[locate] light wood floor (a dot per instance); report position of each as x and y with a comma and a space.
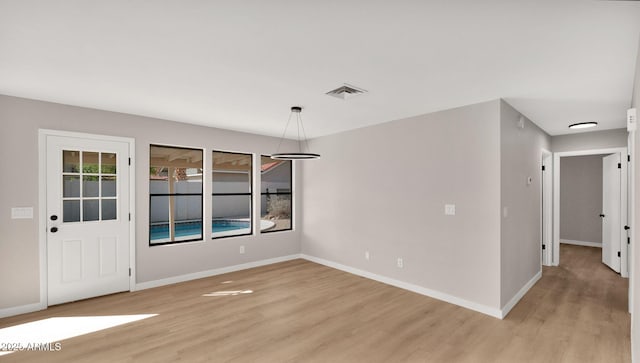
303, 312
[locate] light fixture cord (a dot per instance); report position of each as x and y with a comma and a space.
284, 133
304, 136
298, 121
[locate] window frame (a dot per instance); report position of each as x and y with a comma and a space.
100, 175
290, 193
201, 194
250, 194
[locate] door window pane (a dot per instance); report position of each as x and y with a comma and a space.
90, 162
70, 161
71, 211
90, 211
109, 209
90, 187
70, 186
108, 186
108, 163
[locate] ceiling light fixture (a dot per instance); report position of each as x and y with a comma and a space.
583, 125
302, 142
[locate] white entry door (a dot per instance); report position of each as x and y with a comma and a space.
87, 196
611, 208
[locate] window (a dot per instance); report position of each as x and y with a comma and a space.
231, 198
276, 213
175, 195
89, 187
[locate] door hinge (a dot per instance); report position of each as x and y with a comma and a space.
628, 240
129, 271
543, 168
129, 161
544, 247
129, 217
618, 253
619, 165
626, 228
629, 158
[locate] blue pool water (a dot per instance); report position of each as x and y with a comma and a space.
183, 229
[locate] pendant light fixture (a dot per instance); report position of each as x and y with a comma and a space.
302, 142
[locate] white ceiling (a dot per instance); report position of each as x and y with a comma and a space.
241, 64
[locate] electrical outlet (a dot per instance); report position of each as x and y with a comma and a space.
400, 263
241, 250
366, 255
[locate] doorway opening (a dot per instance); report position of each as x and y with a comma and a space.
590, 204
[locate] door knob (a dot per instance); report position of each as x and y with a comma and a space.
54, 229
602, 215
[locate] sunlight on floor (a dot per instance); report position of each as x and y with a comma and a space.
229, 293
53, 330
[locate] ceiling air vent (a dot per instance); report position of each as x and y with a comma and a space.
346, 92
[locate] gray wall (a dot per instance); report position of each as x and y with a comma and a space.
383, 189
581, 198
590, 140
520, 158
21, 119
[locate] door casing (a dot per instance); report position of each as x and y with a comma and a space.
42, 203
556, 201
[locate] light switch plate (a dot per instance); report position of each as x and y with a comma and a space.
450, 209
22, 213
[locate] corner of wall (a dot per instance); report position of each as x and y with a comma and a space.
450, 156
521, 146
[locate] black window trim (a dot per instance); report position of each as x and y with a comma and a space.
290, 193
201, 194
250, 194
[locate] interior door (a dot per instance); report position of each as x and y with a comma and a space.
547, 208
87, 218
611, 203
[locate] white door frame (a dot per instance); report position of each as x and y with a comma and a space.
546, 189
631, 142
556, 200
42, 202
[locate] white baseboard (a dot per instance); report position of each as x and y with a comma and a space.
581, 243
214, 272
514, 300
496, 313
22, 309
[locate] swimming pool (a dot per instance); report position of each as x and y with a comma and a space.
193, 230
